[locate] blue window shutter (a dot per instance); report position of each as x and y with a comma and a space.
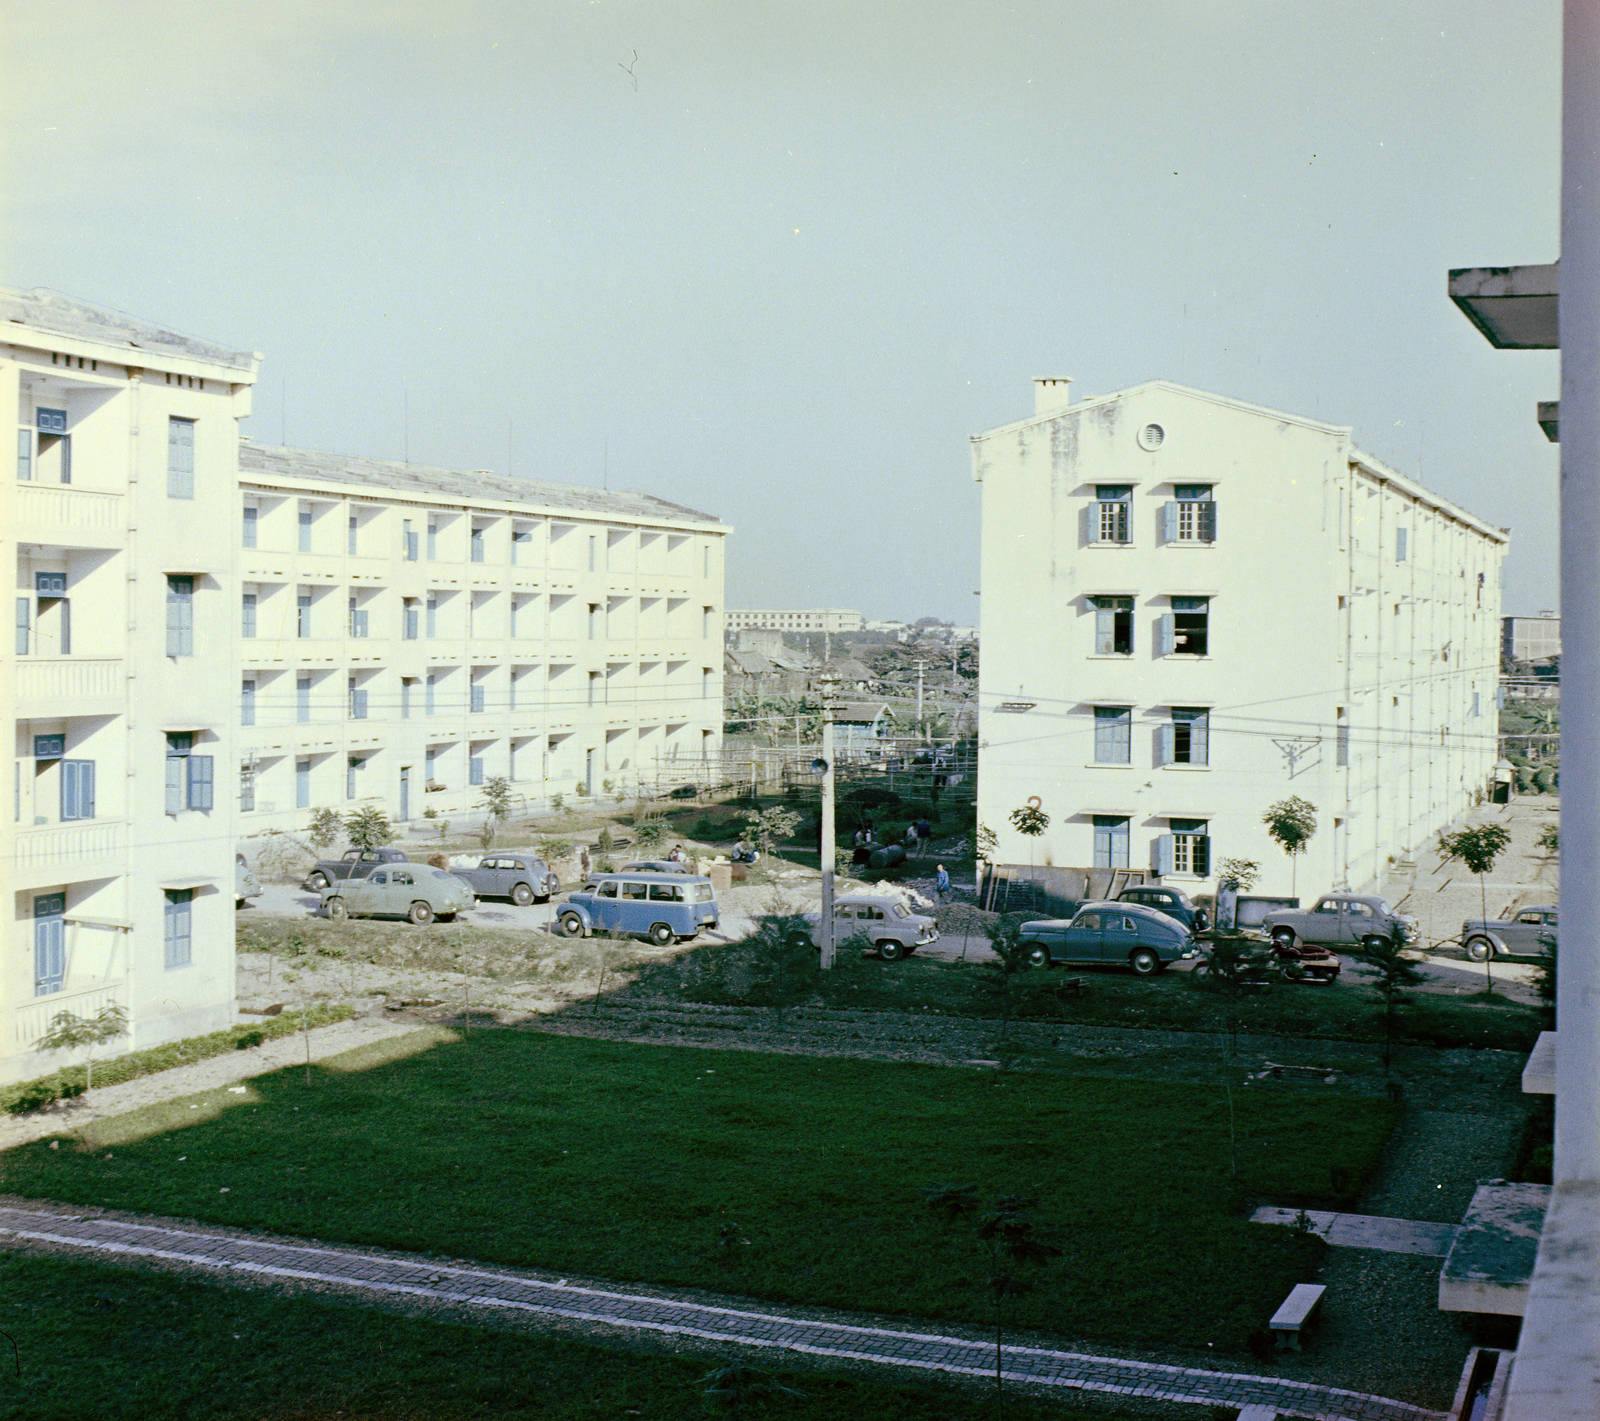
1200, 740
175, 775
1169, 522
1091, 523
51, 421
1162, 853
1209, 522
24, 624
1164, 744
180, 458
49, 944
1165, 639
1202, 855
1105, 630
200, 767
1399, 544
25, 454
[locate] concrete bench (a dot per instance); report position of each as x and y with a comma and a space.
1295, 1312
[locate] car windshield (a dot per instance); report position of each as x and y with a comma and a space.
897, 910
1383, 907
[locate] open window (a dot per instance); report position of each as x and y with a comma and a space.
1113, 626
1186, 629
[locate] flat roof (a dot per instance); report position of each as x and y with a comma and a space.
270, 464
44, 310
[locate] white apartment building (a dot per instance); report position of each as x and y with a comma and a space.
817, 619
408, 633
1194, 608
117, 854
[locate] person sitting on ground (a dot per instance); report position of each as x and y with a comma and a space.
741, 854
676, 856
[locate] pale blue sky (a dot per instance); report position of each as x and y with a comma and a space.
817, 246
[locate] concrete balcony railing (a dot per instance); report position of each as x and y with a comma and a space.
31, 1021
69, 517
68, 853
70, 685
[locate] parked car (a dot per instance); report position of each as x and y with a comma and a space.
656, 866
663, 907
245, 884
523, 878
1529, 932
892, 928
399, 890
357, 863
1171, 901
1341, 920
1111, 933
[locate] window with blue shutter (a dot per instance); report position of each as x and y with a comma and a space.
25, 454
351, 535
1191, 736
247, 614
1191, 847
49, 943
358, 619
247, 701
475, 770
24, 624
1110, 841
49, 747
1191, 517
433, 614
252, 521
1113, 735
477, 545
351, 766
428, 699
50, 421
409, 619
405, 697
521, 538
180, 458
302, 784
428, 758
77, 789
1110, 512
1341, 741
305, 528
180, 616
201, 789
177, 927
358, 700
1113, 626
247, 788
302, 699
433, 539
1400, 544
408, 540
302, 614
1161, 853
478, 700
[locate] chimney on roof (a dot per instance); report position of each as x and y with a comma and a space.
1051, 393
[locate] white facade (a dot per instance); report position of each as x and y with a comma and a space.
410, 633
1194, 608
117, 854
818, 619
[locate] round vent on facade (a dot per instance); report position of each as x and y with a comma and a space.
1151, 436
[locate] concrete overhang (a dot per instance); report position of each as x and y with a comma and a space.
1550, 419
1516, 307
1491, 1262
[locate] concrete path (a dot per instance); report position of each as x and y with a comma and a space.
1369, 1231
377, 1278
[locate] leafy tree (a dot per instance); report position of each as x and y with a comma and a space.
782, 961
1291, 823
1030, 821
496, 800
70, 1032
1477, 848
368, 828
988, 841
326, 826
1550, 839
1544, 975
1242, 872
737, 1388
1006, 1234
649, 832
1004, 981
1396, 975
768, 826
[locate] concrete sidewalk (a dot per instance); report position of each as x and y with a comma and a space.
386, 1279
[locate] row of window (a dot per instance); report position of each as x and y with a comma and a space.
1185, 739
188, 777
50, 936
1184, 850
415, 616
597, 693
1184, 631
45, 452
413, 543
1190, 516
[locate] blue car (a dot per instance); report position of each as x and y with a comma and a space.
663, 907
1115, 934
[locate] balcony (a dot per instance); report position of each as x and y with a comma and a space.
70, 685
70, 853
69, 517
30, 1022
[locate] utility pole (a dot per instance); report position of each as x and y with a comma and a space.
921, 666
825, 849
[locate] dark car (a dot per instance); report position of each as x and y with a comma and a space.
1122, 934
357, 863
523, 878
655, 866
1170, 901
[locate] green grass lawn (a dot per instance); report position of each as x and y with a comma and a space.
115, 1343
621, 1161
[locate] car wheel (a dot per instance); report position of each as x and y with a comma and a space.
1144, 962
1038, 955
660, 935
1479, 949
1374, 944
337, 910
890, 950
570, 925
318, 881
421, 914
1283, 937
522, 895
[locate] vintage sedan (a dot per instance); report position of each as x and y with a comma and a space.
245, 883
1341, 920
885, 922
1115, 934
1171, 901
411, 890
523, 878
1528, 932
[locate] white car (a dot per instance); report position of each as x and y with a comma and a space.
890, 926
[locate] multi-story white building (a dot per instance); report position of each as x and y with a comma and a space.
818, 619
117, 856
409, 633
1530, 638
1194, 608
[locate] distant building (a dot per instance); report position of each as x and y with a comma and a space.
1194, 608
818, 619
1530, 638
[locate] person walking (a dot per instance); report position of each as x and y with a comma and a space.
941, 884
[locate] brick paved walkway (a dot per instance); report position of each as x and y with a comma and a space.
374, 1275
